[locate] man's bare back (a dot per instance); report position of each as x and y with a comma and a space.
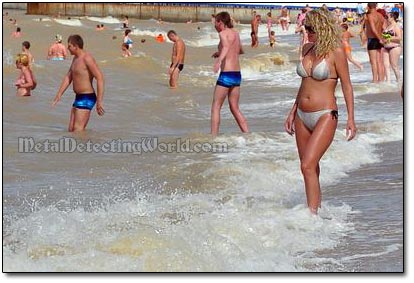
374, 21
57, 50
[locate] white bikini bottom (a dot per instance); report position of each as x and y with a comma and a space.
310, 119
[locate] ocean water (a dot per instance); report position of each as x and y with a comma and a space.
241, 208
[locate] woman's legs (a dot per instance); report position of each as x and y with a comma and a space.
311, 148
387, 65
394, 55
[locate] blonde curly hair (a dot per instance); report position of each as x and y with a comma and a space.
23, 59
326, 29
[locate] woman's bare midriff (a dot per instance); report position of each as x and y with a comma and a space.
317, 95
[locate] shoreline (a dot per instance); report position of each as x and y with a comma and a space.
381, 189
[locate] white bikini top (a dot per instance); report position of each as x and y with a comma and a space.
320, 72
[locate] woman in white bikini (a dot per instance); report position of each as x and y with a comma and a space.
314, 115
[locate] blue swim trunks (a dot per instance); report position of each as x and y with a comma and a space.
57, 59
229, 79
85, 101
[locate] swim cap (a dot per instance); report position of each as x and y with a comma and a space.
58, 38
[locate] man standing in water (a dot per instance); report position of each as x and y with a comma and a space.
25, 50
177, 58
57, 50
374, 24
255, 30
82, 72
228, 83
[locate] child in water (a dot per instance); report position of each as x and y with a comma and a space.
125, 50
26, 80
272, 39
127, 39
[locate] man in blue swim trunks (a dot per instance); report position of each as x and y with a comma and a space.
81, 73
228, 83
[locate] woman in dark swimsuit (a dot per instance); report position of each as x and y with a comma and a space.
392, 49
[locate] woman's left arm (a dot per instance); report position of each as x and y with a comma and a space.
341, 66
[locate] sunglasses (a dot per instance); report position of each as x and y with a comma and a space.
309, 29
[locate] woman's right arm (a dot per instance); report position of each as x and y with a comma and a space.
289, 123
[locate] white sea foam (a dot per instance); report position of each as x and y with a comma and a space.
42, 20
8, 57
207, 40
197, 232
256, 221
71, 22
106, 20
152, 33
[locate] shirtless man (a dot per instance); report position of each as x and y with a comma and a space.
177, 58
255, 30
57, 51
82, 72
25, 50
228, 83
374, 24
